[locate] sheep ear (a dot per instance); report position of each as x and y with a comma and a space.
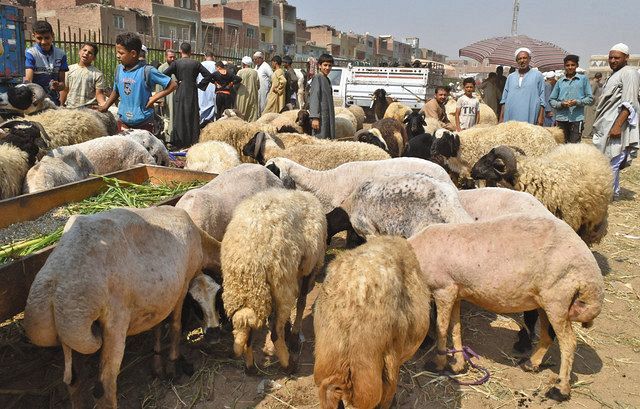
406, 119
274, 169
337, 221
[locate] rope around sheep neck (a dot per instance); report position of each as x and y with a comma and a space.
468, 353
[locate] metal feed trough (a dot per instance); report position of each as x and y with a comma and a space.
16, 277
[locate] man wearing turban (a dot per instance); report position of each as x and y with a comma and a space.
523, 95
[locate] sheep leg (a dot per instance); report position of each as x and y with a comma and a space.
113, 344
567, 341
456, 336
444, 304
533, 363
526, 334
157, 350
76, 379
390, 381
293, 340
279, 340
177, 364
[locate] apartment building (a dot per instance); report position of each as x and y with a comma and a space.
224, 31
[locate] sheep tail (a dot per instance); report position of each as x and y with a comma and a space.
68, 367
79, 329
243, 320
586, 304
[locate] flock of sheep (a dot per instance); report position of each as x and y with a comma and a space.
261, 228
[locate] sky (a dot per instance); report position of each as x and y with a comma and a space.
582, 27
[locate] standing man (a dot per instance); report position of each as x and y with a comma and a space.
167, 101
491, 94
615, 130
569, 97
292, 82
435, 107
224, 82
45, 63
247, 98
276, 96
84, 85
186, 115
321, 112
207, 98
523, 95
549, 83
264, 75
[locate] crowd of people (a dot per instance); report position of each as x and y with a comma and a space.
203, 91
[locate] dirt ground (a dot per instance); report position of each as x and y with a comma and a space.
605, 372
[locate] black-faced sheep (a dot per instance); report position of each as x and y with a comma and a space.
380, 102
512, 264
95, 289
20, 146
270, 251
573, 181
370, 317
415, 123
321, 156
26, 99
387, 134
333, 186
398, 205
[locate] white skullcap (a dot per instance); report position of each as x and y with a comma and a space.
246, 60
622, 47
258, 54
549, 74
521, 49
144, 49
225, 63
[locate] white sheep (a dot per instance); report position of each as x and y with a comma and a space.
236, 133
343, 112
512, 264
573, 181
14, 165
397, 205
370, 317
115, 274
49, 172
70, 126
360, 115
273, 244
345, 128
151, 143
211, 206
322, 156
333, 186
212, 157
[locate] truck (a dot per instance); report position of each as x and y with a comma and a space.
410, 86
12, 47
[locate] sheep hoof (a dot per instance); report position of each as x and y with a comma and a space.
170, 371
528, 366
555, 394
251, 370
157, 366
291, 369
184, 367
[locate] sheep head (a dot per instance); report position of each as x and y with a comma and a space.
379, 95
304, 120
415, 123
255, 147
337, 220
27, 136
25, 98
499, 165
372, 136
204, 291
280, 168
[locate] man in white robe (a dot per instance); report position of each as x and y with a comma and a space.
615, 129
264, 75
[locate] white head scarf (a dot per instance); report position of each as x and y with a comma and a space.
521, 49
622, 47
246, 60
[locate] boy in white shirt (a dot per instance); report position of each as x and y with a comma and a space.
467, 107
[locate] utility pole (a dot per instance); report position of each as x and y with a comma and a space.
514, 22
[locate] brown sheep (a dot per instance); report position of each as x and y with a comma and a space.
512, 264
370, 317
115, 274
388, 134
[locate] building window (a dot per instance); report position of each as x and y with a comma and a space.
263, 37
186, 33
185, 4
118, 22
251, 32
275, 23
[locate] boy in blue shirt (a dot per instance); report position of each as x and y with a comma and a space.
134, 82
45, 63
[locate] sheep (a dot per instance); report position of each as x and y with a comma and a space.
272, 247
151, 143
109, 153
236, 133
345, 128
370, 317
512, 264
20, 147
343, 112
397, 111
333, 186
26, 99
380, 102
70, 126
415, 122
211, 206
358, 112
95, 289
388, 134
50, 171
573, 181
323, 156
212, 157
398, 205
231, 113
